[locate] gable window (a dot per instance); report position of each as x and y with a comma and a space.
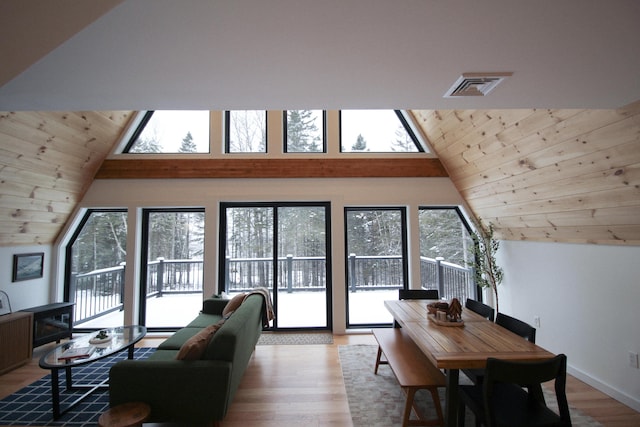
305, 131
167, 131
445, 253
246, 131
95, 258
376, 131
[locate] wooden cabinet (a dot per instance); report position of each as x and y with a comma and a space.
16, 334
51, 322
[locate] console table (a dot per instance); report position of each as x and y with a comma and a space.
51, 322
15, 340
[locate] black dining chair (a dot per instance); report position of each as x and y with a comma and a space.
483, 310
511, 394
418, 294
516, 326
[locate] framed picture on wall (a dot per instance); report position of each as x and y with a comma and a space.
27, 266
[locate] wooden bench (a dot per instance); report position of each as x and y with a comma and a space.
413, 370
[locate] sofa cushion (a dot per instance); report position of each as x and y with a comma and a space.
233, 304
194, 347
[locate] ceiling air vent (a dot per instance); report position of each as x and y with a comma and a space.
475, 84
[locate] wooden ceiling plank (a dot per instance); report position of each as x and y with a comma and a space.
447, 126
594, 200
29, 203
500, 120
507, 143
619, 215
46, 169
597, 234
557, 140
18, 214
584, 173
53, 126
42, 180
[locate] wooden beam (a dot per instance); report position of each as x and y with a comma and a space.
270, 168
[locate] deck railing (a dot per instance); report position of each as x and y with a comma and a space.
101, 291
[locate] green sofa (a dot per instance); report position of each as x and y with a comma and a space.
193, 391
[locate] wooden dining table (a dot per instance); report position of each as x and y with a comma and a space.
453, 348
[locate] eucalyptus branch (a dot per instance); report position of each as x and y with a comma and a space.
487, 272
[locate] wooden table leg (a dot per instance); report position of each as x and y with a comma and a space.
451, 401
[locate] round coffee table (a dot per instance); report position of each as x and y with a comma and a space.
122, 338
125, 415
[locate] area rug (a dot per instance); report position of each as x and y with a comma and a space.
293, 338
378, 401
32, 404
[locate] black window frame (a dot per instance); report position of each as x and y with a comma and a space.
285, 133
227, 134
405, 124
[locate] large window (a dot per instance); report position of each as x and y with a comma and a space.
172, 279
305, 131
282, 247
376, 263
246, 131
167, 131
95, 266
445, 253
376, 131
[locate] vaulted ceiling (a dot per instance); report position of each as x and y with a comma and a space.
552, 154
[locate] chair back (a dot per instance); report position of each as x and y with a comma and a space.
482, 309
517, 326
531, 375
418, 294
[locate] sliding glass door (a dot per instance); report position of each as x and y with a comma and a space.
282, 247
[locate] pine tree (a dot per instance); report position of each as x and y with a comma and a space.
302, 132
360, 145
188, 146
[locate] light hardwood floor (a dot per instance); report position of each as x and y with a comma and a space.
298, 385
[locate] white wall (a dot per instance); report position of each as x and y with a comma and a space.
27, 293
587, 298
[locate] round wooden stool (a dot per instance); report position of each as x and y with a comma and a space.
125, 415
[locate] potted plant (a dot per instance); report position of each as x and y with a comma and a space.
487, 272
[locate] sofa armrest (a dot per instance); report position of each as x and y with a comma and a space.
198, 390
214, 305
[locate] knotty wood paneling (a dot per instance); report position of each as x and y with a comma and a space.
269, 168
47, 161
545, 175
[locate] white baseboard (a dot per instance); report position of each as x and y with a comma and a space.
605, 388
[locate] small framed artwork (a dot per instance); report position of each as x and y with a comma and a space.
27, 266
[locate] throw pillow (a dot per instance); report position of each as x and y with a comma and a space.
233, 305
194, 347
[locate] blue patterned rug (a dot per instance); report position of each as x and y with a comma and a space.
32, 404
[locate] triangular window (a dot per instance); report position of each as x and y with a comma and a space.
170, 131
377, 131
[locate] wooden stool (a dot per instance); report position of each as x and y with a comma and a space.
125, 415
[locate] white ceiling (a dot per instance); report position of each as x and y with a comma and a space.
331, 54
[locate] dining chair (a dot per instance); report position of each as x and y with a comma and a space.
511, 394
418, 294
516, 326
483, 310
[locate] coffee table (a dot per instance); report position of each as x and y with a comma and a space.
121, 338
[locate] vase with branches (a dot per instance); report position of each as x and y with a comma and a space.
487, 272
